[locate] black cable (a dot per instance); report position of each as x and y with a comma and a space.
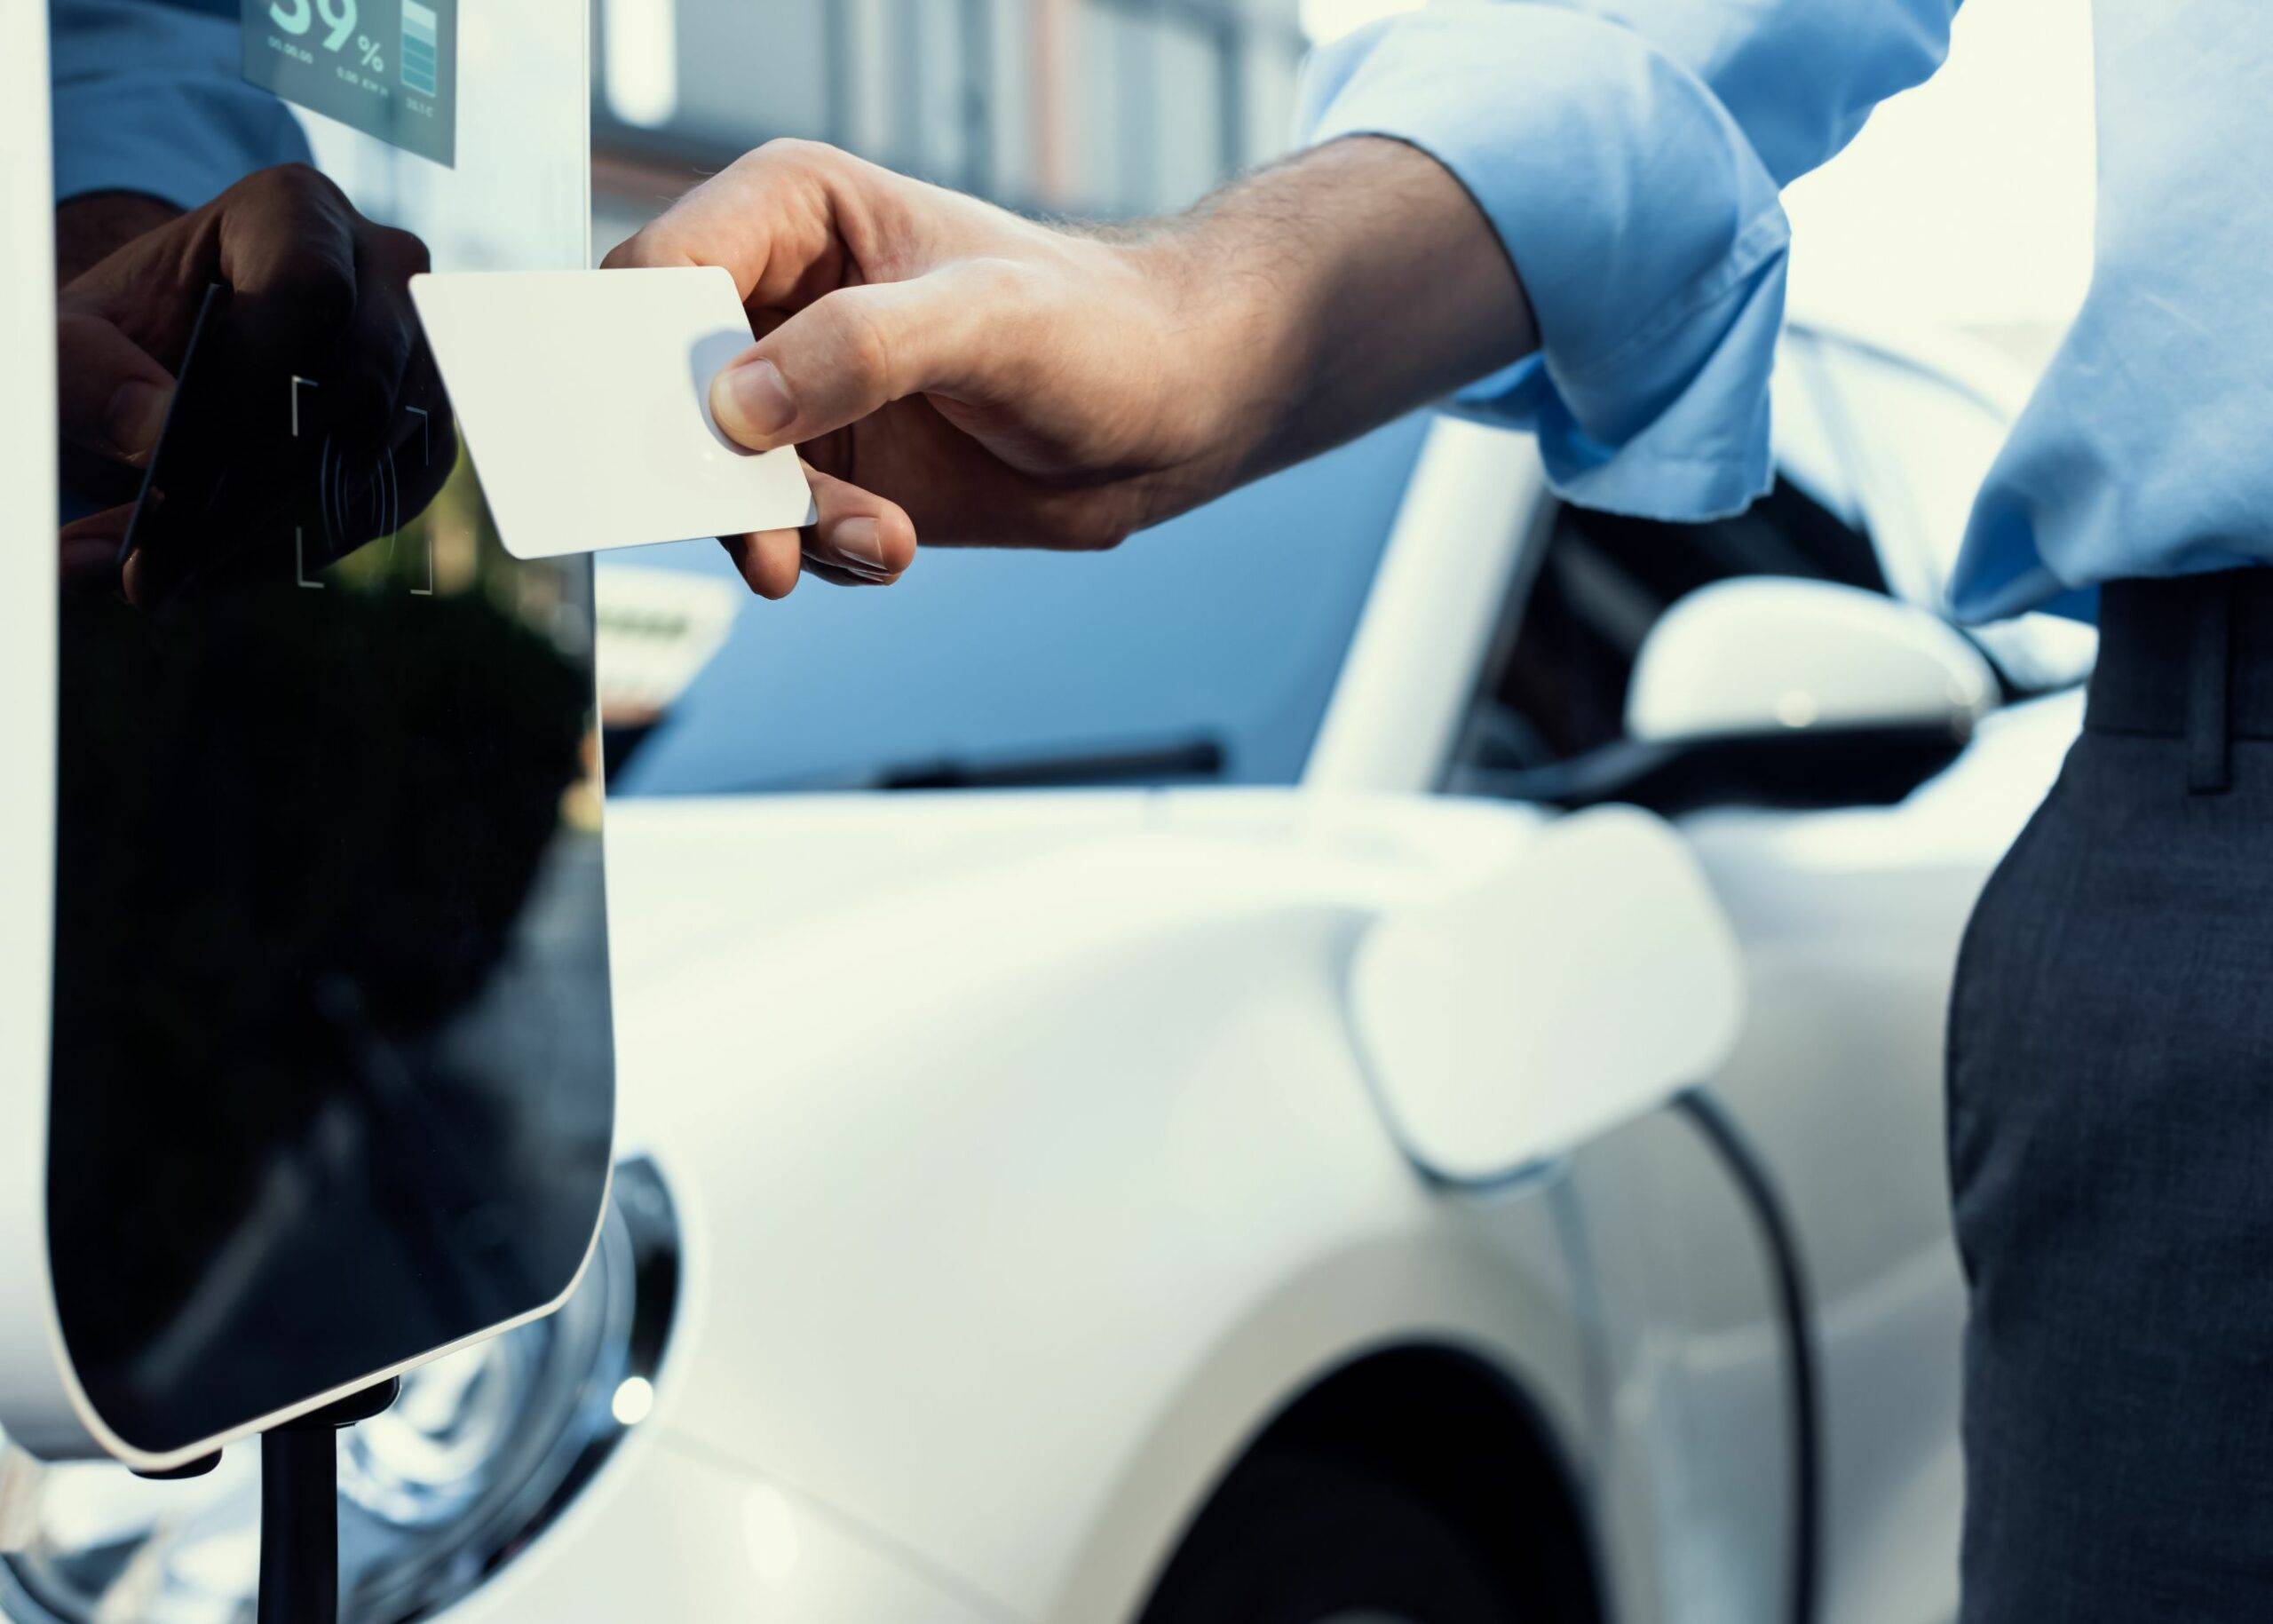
1795, 1316
300, 1526
300, 1509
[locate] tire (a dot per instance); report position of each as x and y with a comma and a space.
1293, 1538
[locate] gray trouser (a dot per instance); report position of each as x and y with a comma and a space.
2110, 1085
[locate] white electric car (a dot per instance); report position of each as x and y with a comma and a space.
1155, 1085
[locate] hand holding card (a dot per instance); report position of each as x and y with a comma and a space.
583, 398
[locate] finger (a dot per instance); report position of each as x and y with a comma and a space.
426, 434
859, 537
768, 560
87, 550
957, 494
381, 335
287, 250
833, 575
111, 395
770, 218
146, 581
854, 351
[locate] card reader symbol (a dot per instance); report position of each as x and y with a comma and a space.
365, 507
420, 49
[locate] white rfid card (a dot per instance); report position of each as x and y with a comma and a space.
585, 400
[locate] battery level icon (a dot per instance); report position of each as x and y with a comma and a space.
421, 58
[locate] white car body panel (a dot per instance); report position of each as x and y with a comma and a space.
1450, 560
1596, 966
671, 1533
1158, 986
1031, 1387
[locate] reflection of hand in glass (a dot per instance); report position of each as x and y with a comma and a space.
310, 290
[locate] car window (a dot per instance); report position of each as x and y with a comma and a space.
1559, 687
1207, 647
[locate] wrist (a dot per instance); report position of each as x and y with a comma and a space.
1324, 296
1219, 341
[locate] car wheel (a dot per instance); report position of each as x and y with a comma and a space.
1294, 1538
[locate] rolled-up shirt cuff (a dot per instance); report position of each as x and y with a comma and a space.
1645, 230
150, 99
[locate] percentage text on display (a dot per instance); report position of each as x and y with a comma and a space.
385, 67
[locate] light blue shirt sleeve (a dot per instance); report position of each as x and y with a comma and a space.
148, 98
1629, 153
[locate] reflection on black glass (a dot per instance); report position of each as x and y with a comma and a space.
303, 415
332, 1059
255, 472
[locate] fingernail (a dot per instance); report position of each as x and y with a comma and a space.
137, 412
860, 544
760, 397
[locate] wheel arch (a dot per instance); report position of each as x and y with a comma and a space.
1461, 1434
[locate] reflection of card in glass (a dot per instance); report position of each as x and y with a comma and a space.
182, 464
387, 67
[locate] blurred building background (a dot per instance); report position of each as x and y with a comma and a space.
1107, 107
1967, 203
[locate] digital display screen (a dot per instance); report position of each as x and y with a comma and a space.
333, 1072
387, 67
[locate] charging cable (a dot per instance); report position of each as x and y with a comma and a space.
300, 1509
1796, 1316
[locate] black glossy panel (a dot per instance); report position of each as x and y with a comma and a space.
333, 1077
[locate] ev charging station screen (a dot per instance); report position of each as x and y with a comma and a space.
385, 67
332, 1079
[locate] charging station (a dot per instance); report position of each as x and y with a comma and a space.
306, 1073
35, 1390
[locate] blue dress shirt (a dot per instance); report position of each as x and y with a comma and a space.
149, 97
1629, 153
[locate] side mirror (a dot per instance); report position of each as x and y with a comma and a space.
1580, 986
1765, 654
1768, 691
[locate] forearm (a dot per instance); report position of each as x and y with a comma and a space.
1001, 381
1334, 292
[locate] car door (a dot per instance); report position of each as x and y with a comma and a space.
1849, 909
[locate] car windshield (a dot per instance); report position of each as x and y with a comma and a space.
1206, 648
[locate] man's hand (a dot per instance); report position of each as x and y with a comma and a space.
90, 228
952, 371
315, 291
